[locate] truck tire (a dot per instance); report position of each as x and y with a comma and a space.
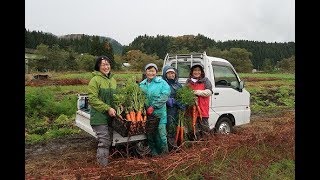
224, 126
141, 148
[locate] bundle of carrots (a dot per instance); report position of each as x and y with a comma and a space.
180, 130
134, 106
129, 103
195, 111
186, 97
135, 116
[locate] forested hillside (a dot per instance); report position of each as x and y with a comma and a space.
261, 51
245, 55
80, 43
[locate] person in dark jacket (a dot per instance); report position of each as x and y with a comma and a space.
203, 90
100, 91
170, 75
157, 93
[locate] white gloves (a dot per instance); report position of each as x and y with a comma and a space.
206, 92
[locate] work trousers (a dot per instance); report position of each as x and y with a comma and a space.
157, 141
104, 135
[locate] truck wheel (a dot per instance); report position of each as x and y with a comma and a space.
223, 126
141, 148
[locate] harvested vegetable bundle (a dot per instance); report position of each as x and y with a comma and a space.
187, 98
134, 106
135, 100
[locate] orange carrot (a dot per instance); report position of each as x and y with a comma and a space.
194, 119
181, 134
128, 117
139, 116
177, 135
199, 110
145, 118
133, 115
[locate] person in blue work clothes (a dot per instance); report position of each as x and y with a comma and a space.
157, 93
170, 75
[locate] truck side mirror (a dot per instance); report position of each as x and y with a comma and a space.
241, 86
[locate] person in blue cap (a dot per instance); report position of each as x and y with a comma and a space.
157, 92
170, 75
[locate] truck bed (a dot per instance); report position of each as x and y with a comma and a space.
83, 122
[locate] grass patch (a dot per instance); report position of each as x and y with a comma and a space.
284, 76
249, 161
283, 169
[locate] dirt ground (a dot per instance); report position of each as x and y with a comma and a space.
74, 157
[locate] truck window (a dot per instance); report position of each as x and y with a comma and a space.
183, 70
224, 76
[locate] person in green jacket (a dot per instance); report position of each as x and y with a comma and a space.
157, 92
100, 91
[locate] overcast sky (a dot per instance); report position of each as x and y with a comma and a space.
124, 20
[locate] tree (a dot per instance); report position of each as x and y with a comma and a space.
238, 57
71, 63
138, 60
58, 58
267, 65
41, 64
287, 64
85, 62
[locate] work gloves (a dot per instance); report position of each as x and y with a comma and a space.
171, 102
150, 110
205, 93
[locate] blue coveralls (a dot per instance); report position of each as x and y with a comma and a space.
157, 93
172, 112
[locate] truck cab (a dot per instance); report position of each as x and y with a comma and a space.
230, 101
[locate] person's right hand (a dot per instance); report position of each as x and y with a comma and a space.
150, 110
112, 112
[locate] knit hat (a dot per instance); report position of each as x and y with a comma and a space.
151, 65
170, 70
197, 65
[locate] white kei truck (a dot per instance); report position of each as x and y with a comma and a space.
229, 103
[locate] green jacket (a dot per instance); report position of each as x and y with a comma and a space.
100, 91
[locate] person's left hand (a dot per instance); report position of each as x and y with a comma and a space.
150, 110
171, 102
205, 92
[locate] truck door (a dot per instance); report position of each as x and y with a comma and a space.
226, 97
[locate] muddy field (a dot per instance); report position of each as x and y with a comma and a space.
74, 157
